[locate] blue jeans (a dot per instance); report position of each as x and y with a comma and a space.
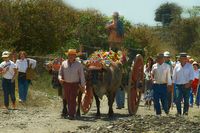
120, 98
191, 99
198, 97
174, 99
23, 88
160, 93
182, 93
8, 89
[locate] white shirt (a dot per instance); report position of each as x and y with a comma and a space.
147, 73
161, 74
196, 74
23, 64
182, 75
10, 73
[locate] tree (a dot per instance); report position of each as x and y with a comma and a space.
167, 12
194, 12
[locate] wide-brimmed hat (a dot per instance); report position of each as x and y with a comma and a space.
167, 54
183, 55
71, 52
160, 55
5, 54
195, 63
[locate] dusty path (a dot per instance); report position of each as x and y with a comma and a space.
42, 115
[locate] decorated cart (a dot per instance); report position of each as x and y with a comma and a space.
132, 79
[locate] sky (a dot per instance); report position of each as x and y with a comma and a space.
136, 11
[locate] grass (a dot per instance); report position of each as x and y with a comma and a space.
39, 92
43, 84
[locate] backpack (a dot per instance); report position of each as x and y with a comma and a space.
120, 28
30, 72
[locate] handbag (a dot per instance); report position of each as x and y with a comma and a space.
30, 72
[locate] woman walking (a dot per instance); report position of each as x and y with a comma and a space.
22, 64
148, 95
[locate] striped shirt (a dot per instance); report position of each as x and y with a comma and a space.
73, 73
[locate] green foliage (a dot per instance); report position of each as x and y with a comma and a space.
193, 12
36, 26
184, 33
43, 27
167, 12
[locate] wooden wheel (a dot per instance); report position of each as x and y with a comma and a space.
87, 99
135, 84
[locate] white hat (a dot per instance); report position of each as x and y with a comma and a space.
194, 63
167, 54
5, 54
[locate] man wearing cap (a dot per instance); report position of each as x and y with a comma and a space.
161, 78
8, 71
183, 76
170, 90
71, 74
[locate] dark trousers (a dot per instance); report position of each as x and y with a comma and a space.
169, 99
182, 93
8, 89
198, 97
70, 94
23, 88
160, 93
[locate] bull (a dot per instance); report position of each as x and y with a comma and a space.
104, 81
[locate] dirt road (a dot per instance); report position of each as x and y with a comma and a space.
41, 114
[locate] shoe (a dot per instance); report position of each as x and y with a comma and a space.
71, 118
158, 115
118, 108
64, 113
14, 106
21, 101
6, 107
186, 113
178, 114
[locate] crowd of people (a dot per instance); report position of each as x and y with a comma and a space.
172, 82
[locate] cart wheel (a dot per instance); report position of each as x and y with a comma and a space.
135, 84
87, 99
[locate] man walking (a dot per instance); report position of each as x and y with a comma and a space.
71, 74
183, 76
161, 79
170, 89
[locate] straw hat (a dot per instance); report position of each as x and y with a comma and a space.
5, 54
71, 52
